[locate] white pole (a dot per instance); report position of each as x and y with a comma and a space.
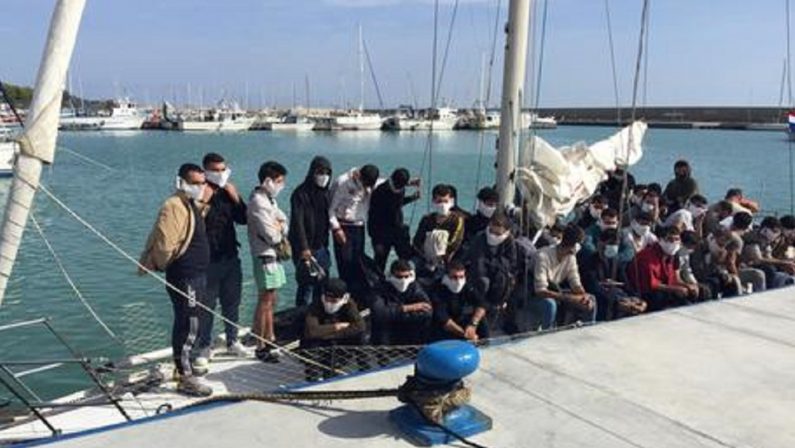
361, 70
37, 143
512, 93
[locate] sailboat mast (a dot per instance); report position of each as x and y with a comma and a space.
512, 93
37, 143
361, 70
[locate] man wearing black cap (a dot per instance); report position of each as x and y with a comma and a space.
350, 203
385, 219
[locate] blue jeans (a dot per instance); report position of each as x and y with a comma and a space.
224, 282
547, 313
307, 292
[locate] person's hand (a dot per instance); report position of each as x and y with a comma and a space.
692, 290
339, 236
680, 291
231, 190
471, 333
418, 307
415, 182
145, 269
788, 267
339, 326
306, 254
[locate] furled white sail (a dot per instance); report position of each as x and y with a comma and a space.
553, 180
37, 143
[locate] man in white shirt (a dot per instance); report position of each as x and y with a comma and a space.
350, 202
690, 217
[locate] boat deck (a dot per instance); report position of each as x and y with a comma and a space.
713, 375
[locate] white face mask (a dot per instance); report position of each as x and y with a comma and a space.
696, 211
194, 191
217, 178
556, 241
401, 284
322, 180
577, 248
496, 240
455, 286
670, 248
594, 211
639, 229
727, 222
273, 189
647, 207
333, 307
442, 208
611, 250
486, 210
685, 252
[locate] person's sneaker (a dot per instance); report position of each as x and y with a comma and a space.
191, 386
268, 354
238, 349
199, 370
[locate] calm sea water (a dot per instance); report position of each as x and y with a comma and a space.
122, 202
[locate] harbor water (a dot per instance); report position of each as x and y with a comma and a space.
117, 182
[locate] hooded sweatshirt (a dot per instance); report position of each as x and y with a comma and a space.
309, 206
680, 189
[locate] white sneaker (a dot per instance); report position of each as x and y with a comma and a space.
238, 349
201, 362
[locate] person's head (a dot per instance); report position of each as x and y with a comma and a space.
697, 205
788, 225
368, 175
690, 241
681, 169
573, 236
651, 201
320, 170
335, 295
271, 177
655, 187
555, 233
399, 179
442, 198
401, 275
215, 170
191, 180
770, 228
741, 221
723, 210
455, 276
596, 205
641, 225
499, 229
734, 195
638, 191
609, 219
608, 243
453, 192
488, 198
670, 240
618, 173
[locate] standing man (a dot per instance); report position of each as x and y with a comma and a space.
224, 277
350, 203
178, 245
309, 227
682, 187
385, 218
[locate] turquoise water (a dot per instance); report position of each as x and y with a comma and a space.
122, 202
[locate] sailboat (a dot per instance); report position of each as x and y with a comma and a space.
652, 381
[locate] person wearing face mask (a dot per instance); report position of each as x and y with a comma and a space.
651, 205
332, 320
612, 188
457, 311
784, 247
636, 237
385, 219
691, 216
309, 230
688, 260
488, 199
439, 233
652, 274
551, 236
401, 310
682, 187
267, 238
607, 220
350, 203
224, 275
716, 214
493, 262
596, 273
559, 297
179, 246
590, 213
758, 253
737, 228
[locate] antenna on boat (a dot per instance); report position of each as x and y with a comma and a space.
361, 70
37, 143
512, 92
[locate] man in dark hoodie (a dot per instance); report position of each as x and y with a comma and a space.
681, 187
401, 309
385, 218
309, 230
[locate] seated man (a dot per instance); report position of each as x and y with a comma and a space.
331, 321
636, 237
690, 217
740, 203
716, 214
401, 311
751, 277
784, 247
458, 313
608, 220
589, 214
551, 236
601, 277
758, 253
439, 234
493, 263
686, 258
487, 205
652, 274
553, 304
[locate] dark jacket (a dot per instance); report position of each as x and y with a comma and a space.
309, 206
385, 216
487, 261
452, 223
458, 307
318, 322
679, 190
220, 221
474, 224
388, 302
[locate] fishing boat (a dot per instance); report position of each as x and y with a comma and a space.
291, 123
124, 115
226, 117
436, 119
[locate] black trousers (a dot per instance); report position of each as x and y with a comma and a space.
185, 329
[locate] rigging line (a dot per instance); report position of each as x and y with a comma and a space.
86, 158
613, 62
71, 282
789, 96
170, 286
488, 88
372, 74
646, 60
429, 149
14, 108
541, 47
447, 48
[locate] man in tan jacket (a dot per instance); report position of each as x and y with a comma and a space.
178, 246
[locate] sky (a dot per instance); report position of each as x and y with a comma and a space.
266, 52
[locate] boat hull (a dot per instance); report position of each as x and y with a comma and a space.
215, 126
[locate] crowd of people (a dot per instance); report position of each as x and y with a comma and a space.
630, 249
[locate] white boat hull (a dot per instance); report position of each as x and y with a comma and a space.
414, 124
238, 125
290, 127
7, 152
122, 124
358, 123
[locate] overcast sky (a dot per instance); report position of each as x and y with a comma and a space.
701, 52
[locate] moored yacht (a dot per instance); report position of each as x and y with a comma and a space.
224, 118
295, 123
439, 119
